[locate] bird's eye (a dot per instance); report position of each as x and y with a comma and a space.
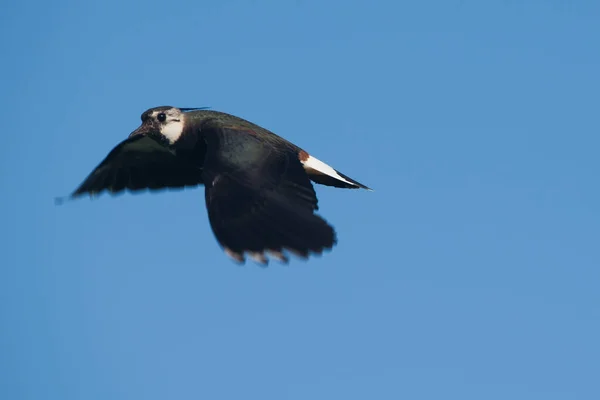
162, 117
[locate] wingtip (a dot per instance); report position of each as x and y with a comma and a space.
279, 256
235, 256
259, 258
263, 258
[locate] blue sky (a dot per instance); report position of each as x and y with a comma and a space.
470, 273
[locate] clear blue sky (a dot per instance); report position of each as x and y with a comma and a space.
471, 272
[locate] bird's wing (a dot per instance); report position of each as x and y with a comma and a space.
137, 163
259, 198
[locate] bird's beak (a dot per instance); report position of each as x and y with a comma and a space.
142, 130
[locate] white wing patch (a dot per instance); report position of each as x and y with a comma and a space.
314, 165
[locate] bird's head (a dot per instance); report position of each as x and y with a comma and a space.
164, 123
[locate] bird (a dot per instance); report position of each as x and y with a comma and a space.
258, 193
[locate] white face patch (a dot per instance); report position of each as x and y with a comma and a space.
172, 130
172, 127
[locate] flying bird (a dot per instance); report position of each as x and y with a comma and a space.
258, 190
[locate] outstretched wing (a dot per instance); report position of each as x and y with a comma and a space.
139, 163
259, 197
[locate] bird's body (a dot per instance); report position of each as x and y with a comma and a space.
257, 185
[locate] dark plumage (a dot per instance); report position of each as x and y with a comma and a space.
257, 185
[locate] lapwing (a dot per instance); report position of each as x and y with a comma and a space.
258, 190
